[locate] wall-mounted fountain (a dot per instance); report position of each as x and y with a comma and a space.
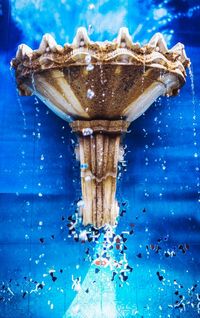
100, 88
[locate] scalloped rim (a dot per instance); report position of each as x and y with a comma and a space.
120, 50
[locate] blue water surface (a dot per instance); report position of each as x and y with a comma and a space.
158, 192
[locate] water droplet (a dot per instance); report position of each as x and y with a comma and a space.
88, 59
90, 67
90, 94
84, 166
36, 101
91, 6
87, 178
80, 203
90, 29
87, 131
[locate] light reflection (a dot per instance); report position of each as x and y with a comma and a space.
96, 296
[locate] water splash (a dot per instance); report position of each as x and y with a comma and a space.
96, 296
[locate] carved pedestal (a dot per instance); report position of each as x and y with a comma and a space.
99, 150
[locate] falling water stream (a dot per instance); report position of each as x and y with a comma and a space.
194, 124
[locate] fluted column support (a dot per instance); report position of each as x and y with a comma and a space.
99, 146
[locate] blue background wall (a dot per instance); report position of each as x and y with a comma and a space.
39, 178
